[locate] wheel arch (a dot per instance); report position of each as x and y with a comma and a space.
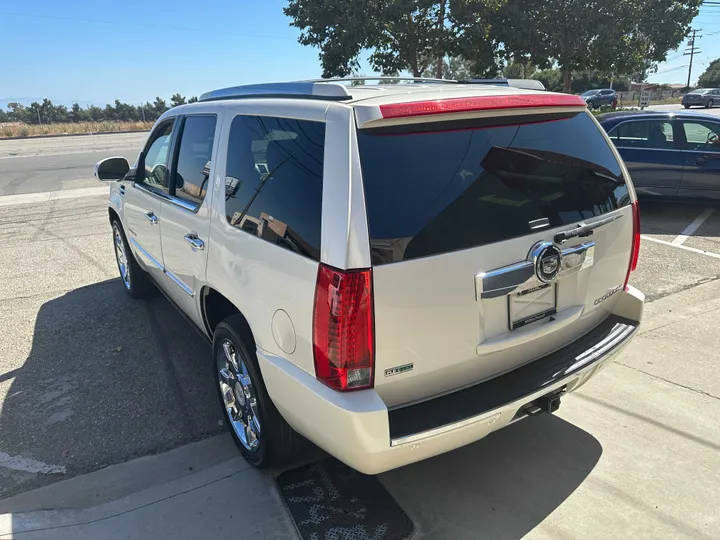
112, 215
216, 307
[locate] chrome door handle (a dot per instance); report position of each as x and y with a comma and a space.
194, 241
152, 218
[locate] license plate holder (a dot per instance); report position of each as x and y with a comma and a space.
531, 305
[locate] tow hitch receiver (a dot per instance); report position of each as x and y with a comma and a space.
545, 404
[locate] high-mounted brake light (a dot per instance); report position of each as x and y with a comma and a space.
635, 253
479, 103
343, 328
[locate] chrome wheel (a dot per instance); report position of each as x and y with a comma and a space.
238, 395
121, 256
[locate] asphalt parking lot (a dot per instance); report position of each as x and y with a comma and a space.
90, 378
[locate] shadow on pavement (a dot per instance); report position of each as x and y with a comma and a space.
501, 487
108, 379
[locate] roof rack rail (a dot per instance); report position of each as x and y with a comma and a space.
321, 89
385, 78
492, 82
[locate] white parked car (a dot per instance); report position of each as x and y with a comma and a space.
390, 271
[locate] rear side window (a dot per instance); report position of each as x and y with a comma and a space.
193, 165
657, 134
273, 182
461, 186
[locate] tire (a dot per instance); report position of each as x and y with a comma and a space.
686, 106
135, 280
270, 441
709, 104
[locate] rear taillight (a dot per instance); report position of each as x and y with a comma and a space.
343, 342
479, 103
635, 253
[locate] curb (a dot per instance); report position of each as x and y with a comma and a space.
72, 135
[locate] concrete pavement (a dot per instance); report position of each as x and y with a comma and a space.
633, 454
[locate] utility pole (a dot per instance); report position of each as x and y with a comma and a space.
441, 30
691, 51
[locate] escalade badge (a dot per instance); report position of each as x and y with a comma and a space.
547, 260
398, 370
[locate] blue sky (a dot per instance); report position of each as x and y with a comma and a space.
675, 68
145, 48
93, 51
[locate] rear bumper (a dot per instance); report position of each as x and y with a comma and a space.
358, 429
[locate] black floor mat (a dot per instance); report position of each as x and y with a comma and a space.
330, 501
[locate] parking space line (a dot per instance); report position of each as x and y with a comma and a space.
680, 246
690, 229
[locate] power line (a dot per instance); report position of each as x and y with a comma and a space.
671, 69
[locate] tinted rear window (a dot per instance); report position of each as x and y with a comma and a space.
460, 186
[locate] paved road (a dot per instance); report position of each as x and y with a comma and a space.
56, 163
715, 111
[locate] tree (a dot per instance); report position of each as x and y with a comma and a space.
455, 68
176, 100
611, 36
33, 114
95, 113
711, 77
193, 99
551, 79
159, 106
403, 35
519, 69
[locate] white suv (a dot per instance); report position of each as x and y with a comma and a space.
391, 271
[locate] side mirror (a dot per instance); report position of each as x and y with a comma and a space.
111, 169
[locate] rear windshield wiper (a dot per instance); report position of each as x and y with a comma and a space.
584, 229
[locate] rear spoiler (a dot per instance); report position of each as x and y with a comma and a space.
479, 103
459, 108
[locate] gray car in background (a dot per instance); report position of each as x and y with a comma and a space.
702, 97
600, 97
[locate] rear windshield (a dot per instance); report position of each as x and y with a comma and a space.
460, 186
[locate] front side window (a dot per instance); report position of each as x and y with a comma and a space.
702, 136
156, 154
194, 156
273, 182
654, 134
